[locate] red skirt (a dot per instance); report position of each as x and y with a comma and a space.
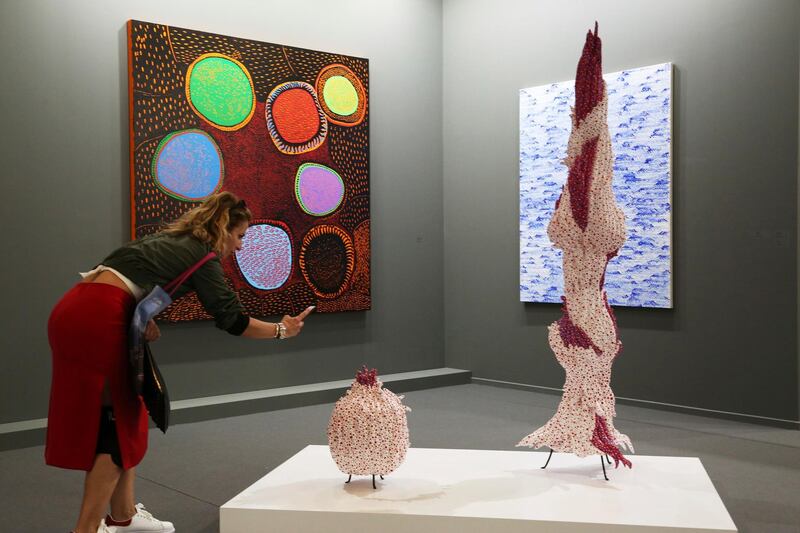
88, 332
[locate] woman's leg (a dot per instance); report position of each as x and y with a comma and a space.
123, 505
100, 484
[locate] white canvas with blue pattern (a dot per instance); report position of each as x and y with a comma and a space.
640, 124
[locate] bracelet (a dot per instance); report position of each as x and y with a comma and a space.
281, 330
277, 331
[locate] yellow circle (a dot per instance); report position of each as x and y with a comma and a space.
340, 96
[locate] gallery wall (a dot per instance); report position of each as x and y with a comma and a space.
65, 177
444, 82
730, 343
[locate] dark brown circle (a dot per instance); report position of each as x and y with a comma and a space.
327, 259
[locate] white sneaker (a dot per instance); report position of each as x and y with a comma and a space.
105, 528
143, 522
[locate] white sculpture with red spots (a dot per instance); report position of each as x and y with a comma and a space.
368, 430
589, 228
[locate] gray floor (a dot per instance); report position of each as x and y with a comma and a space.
189, 473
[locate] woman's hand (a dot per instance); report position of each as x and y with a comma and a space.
294, 324
258, 329
151, 331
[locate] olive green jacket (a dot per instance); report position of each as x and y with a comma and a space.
158, 259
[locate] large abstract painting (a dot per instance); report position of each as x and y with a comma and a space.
286, 129
639, 120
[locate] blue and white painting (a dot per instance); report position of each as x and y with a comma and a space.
640, 124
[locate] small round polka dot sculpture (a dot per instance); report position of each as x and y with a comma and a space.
368, 430
589, 228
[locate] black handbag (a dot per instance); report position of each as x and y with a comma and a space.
154, 390
146, 378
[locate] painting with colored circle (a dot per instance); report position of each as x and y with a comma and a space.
284, 128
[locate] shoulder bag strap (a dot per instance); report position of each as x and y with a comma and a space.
173, 285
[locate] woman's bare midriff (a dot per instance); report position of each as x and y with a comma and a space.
109, 278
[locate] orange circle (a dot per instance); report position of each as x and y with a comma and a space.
295, 115
293, 118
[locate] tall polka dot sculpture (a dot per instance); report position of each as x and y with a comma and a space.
589, 228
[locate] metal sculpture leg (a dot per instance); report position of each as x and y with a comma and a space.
381, 477
548, 459
603, 463
349, 478
608, 459
373, 482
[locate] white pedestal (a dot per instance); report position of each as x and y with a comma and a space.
466, 491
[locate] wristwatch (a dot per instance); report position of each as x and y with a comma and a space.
281, 330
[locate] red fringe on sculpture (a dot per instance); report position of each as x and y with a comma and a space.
589, 228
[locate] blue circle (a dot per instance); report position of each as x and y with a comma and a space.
188, 165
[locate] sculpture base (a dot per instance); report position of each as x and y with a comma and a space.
465, 491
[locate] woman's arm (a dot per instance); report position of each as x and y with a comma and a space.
258, 329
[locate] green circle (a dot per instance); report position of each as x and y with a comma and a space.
221, 91
340, 96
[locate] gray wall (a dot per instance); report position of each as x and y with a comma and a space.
730, 344
64, 170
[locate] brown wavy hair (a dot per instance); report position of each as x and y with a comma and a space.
212, 221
